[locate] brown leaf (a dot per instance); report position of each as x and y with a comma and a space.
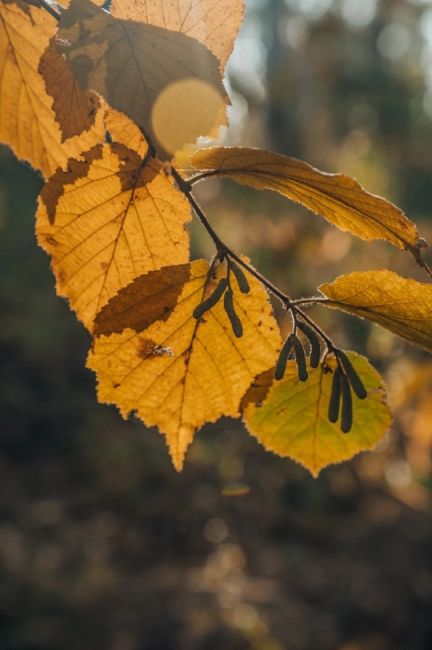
75, 109
149, 298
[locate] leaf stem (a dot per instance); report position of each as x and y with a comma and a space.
313, 300
204, 175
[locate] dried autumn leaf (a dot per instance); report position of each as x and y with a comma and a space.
216, 24
106, 220
293, 419
178, 373
167, 82
75, 108
27, 122
402, 306
338, 198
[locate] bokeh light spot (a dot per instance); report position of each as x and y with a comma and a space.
184, 111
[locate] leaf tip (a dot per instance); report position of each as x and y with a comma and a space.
178, 445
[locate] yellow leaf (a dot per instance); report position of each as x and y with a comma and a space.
178, 373
402, 306
167, 82
124, 131
338, 198
27, 122
216, 24
292, 421
105, 221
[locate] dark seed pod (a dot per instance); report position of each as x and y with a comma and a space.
236, 323
212, 300
240, 277
315, 355
283, 357
347, 406
352, 375
300, 358
334, 405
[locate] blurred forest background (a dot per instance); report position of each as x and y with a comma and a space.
102, 545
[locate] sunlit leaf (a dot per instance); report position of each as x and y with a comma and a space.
167, 82
75, 108
27, 122
402, 306
122, 130
338, 198
293, 419
179, 373
215, 24
105, 221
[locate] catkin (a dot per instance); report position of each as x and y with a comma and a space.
352, 376
234, 319
283, 357
334, 405
240, 277
211, 301
347, 406
315, 355
300, 358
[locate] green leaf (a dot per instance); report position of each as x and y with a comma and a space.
293, 419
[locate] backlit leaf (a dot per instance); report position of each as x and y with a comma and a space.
293, 419
402, 306
215, 24
124, 131
179, 373
105, 221
338, 198
27, 122
167, 82
75, 108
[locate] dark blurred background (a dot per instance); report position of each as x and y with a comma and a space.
102, 545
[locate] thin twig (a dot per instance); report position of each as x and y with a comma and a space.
222, 248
